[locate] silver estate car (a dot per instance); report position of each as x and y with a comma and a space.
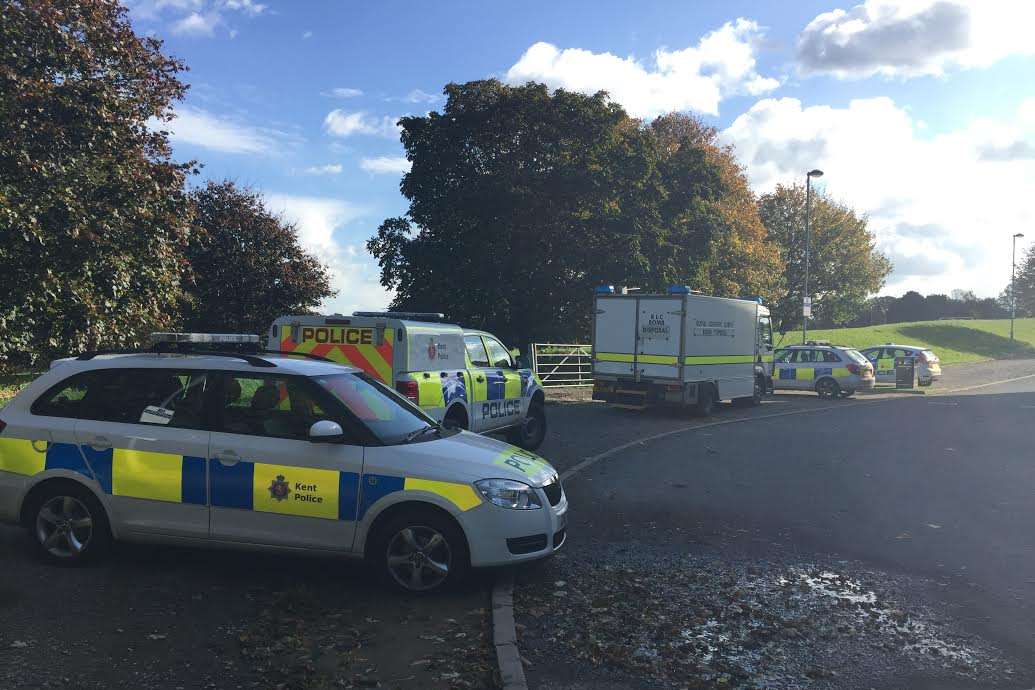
829, 370
928, 366
265, 452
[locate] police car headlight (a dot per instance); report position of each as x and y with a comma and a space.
507, 493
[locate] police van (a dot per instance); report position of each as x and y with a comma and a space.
465, 379
679, 348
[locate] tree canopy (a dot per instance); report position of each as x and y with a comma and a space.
1025, 282
845, 266
246, 265
523, 200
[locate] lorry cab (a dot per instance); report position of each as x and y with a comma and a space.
465, 379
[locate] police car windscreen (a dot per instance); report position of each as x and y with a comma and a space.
386, 413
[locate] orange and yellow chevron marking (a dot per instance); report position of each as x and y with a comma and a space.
353, 346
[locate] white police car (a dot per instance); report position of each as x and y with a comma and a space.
265, 451
829, 370
928, 366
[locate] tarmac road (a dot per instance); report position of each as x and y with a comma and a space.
934, 494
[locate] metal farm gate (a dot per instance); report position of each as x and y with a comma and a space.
563, 364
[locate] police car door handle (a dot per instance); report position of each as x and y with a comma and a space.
228, 457
100, 443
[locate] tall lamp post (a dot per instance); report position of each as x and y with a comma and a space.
1013, 279
806, 299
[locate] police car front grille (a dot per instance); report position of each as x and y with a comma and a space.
553, 492
531, 544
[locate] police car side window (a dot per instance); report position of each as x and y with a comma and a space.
829, 356
65, 399
783, 356
277, 406
498, 354
160, 397
476, 351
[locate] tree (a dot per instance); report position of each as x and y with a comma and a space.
845, 265
1025, 284
246, 265
522, 201
93, 218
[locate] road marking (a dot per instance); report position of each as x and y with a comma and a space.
592, 460
948, 404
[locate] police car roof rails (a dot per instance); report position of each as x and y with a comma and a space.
410, 315
179, 350
288, 353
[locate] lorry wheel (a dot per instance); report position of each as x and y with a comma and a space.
421, 551
68, 525
531, 432
828, 389
705, 406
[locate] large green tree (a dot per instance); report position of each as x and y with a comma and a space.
523, 200
1025, 285
246, 264
845, 265
93, 218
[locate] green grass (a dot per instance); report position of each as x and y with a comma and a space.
954, 341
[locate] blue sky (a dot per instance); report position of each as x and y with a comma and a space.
922, 113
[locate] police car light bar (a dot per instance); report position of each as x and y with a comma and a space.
220, 338
605, 290
412, 315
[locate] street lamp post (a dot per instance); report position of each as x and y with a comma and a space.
1013, 288
808, 238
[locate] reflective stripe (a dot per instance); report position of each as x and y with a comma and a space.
22, 456
841, 372
292, 490
148, 475
804, 373
641, 359
346, 344
479, 389
613, 357
720, 359
463, 496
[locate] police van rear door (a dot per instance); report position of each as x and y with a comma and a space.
367, 344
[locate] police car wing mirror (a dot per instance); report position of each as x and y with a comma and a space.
326, 431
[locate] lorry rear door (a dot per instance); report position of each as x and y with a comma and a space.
658, 330
614, 335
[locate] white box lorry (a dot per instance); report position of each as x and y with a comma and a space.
679, 348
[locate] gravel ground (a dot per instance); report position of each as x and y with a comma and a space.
694, 621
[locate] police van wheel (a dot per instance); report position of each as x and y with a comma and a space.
421, 551
531, 432
828, 389
68, 525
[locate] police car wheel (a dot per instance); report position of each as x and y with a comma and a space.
68, 525
532, 430
828, 389
422, 552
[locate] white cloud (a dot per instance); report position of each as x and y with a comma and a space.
307, 35
247, 6
920, 37
196, 24
321, 225
202, 128
698, 77
419, 96
330, 169
383, 165
341, 123
342, 92
941, 207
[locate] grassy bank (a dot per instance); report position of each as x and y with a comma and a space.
953, 341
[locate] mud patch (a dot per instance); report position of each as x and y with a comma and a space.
698, 622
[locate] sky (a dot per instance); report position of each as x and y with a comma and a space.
920, 113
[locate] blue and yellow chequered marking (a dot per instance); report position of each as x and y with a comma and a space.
377, 486
440, 388
22, 456
149, 475
285, 490
811, 373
